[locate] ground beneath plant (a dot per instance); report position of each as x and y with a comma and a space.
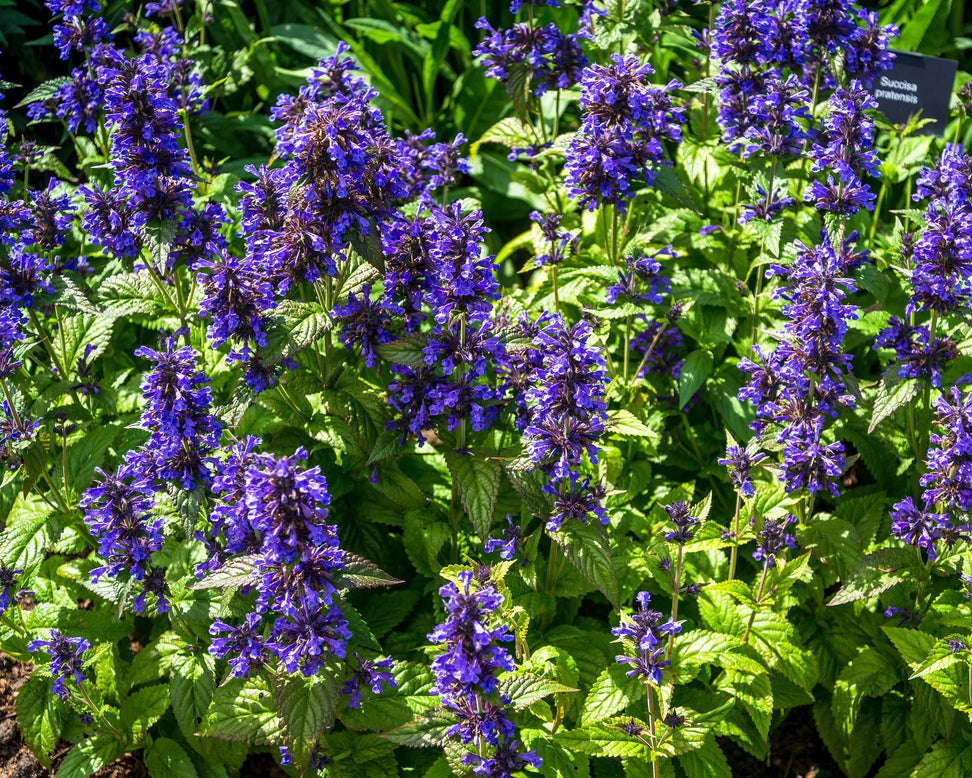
796, 751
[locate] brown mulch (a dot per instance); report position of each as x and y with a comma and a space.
16, 759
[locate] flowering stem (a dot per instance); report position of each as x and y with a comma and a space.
759, 598
101, 717
651, 348
678, 583
556, 294
189, 146
627, 348
651, 732
735, 538
10, 404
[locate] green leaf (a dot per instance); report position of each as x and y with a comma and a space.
45, 91
917, 28
893, 393
524, 689
142, 709
667, 180
305, 39
238, 572
701, 647
869, 674
557, 762
754, 693
87, 452
427, 729
696, 368
601, 739
705, 762
129, 294
876, 573
477, 481
398, 706
587, 548
358, 573
242, 710
945, 760
406, 350
294, 326
40, 716
626, 424
306, 707
941, 657
76, 333
611, 693
510, 132
89, 756
192, 684
519, 76
165, 758
27, 536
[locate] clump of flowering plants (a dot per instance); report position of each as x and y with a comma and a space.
588, 443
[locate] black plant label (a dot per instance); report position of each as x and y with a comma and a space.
916, 83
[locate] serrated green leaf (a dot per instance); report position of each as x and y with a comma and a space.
358, 573
398, 706
893, 393
869, 674
752, 692
524, 689
238, 572
242, 710
626, 424
427, 729
89, 756
941, 656
587, 548
875, 573
192, 684
601, 739
406, 350
945, 760
45, 91
41, 717
165, 758
306, 707
611, 693
477, 481
708, 761
142, 709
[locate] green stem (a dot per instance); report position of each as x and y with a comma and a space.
759, 599
651, 731
735, 538
627, 349
678, 583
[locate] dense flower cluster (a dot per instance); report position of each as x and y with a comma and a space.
625, 121
774, 56
528, 53
275, 512
799, 385
566, 416
466, 675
